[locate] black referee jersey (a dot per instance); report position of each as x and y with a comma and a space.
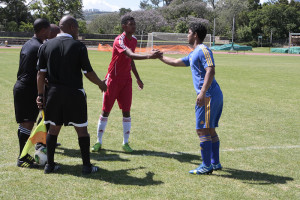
64, 59
28, 59
25, 89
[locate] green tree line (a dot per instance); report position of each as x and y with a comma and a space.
18, 15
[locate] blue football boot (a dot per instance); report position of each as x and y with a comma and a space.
217, 167
202, 169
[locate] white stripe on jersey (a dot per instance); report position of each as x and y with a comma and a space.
121, 42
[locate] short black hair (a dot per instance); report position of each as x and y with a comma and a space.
200, 29
126, 19
39, 24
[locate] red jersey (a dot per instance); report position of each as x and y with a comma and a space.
120, 65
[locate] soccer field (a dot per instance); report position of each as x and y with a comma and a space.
259, 133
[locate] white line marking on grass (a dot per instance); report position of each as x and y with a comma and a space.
161, 154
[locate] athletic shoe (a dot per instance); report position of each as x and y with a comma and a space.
51, 168
217, 166
27, 162
89, 169
127, 148
29, 158
194, 171
96, 147
202, 169
58, 144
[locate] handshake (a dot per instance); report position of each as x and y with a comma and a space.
155, 53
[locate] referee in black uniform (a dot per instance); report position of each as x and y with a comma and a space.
25, 89
63, 59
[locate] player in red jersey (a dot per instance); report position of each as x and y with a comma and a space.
119, 82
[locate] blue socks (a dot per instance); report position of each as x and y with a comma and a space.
215, 150
206, 149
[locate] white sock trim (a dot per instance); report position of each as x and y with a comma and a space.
24, 130
102, 122
126, 129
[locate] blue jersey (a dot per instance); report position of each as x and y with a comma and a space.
198, 60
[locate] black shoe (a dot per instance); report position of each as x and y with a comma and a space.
89, 169
27, 162
29, 158
51, 168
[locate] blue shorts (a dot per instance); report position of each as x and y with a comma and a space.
208, 115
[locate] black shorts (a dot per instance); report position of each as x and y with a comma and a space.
26, 109
66, 106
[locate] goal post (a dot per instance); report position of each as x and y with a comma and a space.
172, 42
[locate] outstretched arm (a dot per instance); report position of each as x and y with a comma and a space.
92, 76
153, 55
176, 62
136, 74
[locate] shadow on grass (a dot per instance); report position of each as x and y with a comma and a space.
258, 178
113, 155
180, 156
119, 177
102, 156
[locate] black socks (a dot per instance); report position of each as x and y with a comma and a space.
51, 141
84, 144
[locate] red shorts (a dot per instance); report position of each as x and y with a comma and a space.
120, 89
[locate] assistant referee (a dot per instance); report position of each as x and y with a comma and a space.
25, 89
63, 59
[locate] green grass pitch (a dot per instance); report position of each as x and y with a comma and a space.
259, 133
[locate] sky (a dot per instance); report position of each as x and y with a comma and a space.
115, 5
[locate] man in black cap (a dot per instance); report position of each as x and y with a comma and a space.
63, 59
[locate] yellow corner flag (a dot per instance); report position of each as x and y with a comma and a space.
38, 135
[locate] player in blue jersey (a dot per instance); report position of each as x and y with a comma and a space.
209, 101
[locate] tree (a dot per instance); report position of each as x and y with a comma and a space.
149, 4
178, 9
212, 3
54, 10
123, 11
105, 24
148, 21
179, 12
2, 17
227, 11
254, 5
15, 10
82, 26
244, 34
11, 26
280, 18
183, 23
167, 2
26, 27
